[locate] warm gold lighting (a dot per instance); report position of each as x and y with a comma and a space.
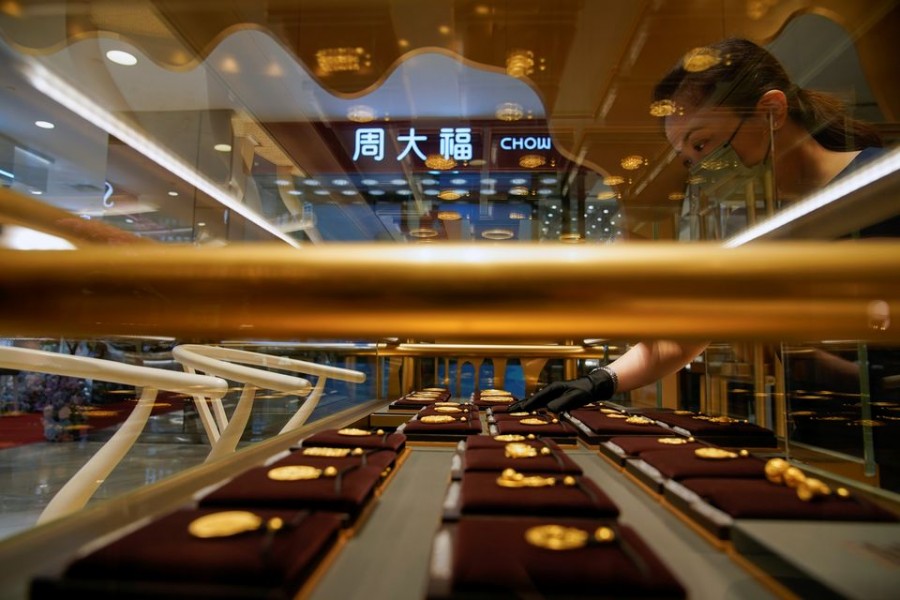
519, 63
532, 161
423, 232
633, 162
517, 216
676, 196
701, 59
449, 215
612, 180
518, 190
449, 195
361, 113
334, 60
509, 111
439, 162
662, 108
607, 195
497, 234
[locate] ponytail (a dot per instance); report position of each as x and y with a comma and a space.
827, 120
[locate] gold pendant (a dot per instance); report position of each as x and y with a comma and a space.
617, 416
533, 421
224, 524
352, 431
714, 454
448, 409
437, 419
294, 473
510, 478
639, 420
510, 437
519, 450
327, 452
672, 441
556, 537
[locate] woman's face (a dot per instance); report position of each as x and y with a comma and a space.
697, 132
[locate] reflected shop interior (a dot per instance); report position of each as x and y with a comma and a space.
233, 220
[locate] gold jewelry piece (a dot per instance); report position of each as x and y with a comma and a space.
497, 399
672, 441
379, 431
609, 411
810, 487
327, 452
294, 473
446, 404
533, 421
617, 416
723, 419
224, 524
714, 454
843, 492
523, 413
744, 452
519, 450
793, 477
604, 535
493, 392
556, 537
531, 436
683, 412
775, 468
437, 419
358, 452
330, 471
639, 420
352, 431
447, 409
510, 478
509, 437
554, 420
545, 451
569, 480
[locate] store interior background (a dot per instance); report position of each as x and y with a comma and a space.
258, 108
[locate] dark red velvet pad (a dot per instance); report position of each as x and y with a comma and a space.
164, 551
487, 459
601, 424
492, 555
374, 457
761, 499
472, 425
634, 445
332, 439
704, 427
681, 463
550, 429
481, 495
347, 493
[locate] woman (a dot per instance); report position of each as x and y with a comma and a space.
731, 96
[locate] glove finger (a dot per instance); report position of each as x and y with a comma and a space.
571, 400
539, 399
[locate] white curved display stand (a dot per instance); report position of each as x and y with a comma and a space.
79, 489
223, 432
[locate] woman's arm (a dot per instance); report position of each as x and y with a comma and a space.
647, 362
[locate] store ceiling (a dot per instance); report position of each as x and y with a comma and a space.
211, 67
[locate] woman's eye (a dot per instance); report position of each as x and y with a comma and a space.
698, 146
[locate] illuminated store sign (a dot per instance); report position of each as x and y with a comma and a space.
454, 143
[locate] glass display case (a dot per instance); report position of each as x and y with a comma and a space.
471, 196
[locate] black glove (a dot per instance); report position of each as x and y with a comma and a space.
599, 384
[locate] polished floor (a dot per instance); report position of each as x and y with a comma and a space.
30, 475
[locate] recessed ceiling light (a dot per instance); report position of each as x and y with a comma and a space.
431, 192
458, 181
44, 124
369, 182
398, 182
429, 181
548, 180
120, 57
222, 147
518, 181
488, 181
295, 192
321, 192
544, 192
348, 192
201, 224
311, 182
173, 193
282, 182
487, 192
404, 192
129, 221
376, 192
36, 192
340, 182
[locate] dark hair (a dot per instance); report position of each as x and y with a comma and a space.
736, 73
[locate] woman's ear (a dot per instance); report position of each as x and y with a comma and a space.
774, 102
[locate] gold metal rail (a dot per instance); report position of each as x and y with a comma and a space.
491, 293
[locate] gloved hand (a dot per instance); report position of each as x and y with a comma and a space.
599, 384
